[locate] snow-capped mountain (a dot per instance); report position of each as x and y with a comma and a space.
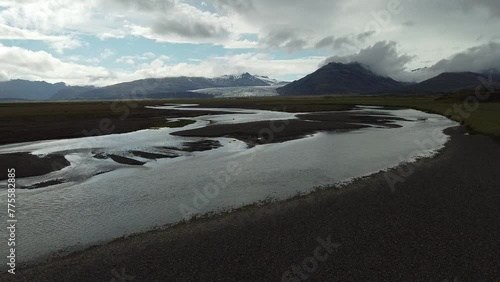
166, 87
244, 79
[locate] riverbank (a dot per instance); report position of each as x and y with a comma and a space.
26, 122
252, 133
264, 132
23, 122
442, 222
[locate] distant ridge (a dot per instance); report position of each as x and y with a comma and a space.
166, 87
28, 90
451, 81
340, 78
354, 78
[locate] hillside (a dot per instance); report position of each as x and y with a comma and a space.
165, 87
28, 90
450, 82
340, 78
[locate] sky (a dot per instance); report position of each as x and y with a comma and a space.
102, 42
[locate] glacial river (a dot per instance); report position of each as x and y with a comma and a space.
103, 200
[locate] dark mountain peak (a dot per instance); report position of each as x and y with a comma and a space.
451, 81
349, 67
454, 74
29, 90
335, 78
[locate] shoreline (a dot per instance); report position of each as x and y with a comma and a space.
251, 133
230, 245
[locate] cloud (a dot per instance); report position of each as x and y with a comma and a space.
325, 42
49, 16
260, 64
286, 25
282, 37
241, 6
107, 53
382, 58
131, 60
428, 30
480, 59
477, 59
57, 42
145, 5
19, 63
4, 76
344, 41
189, 28
491, 6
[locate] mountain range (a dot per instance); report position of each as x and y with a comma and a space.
340, 78
337, 78
333, 78
170, 87
452, 82
29, 90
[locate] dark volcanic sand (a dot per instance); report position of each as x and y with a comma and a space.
26, 129
442, 223
28, 165
285, 130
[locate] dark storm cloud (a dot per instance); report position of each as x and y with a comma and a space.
382, 58
409, 23
325, 42
344, 41
186, 28
493, 6
145, 5
478, 59
236, 5
279, 37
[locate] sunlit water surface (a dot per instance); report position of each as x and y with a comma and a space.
93, 209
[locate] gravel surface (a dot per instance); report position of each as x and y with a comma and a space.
285, 130
442, 223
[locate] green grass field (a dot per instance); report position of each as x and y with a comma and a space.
484, 119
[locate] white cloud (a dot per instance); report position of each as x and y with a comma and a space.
428, 30
131, 60
57, 42
107, 53
385, 59
382, 58
477, 59
260, 64
47, 16
149, 55
4, 76
25, 64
